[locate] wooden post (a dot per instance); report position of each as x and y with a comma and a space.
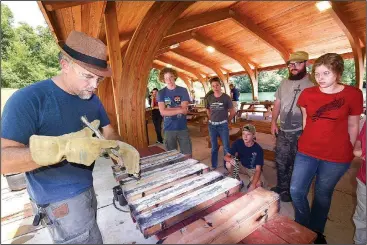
113, 44
135, 69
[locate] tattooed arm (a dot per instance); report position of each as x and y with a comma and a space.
353, 127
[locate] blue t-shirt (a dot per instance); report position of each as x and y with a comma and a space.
249, 156
45, 109
236, 94
173, 98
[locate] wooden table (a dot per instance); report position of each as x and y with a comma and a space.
252, 108
277, 230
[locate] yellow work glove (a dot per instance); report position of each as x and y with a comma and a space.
79, 147
130, 156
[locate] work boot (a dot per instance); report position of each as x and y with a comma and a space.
285, 196
277, 189
320, 239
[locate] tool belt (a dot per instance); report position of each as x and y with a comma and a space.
41, 215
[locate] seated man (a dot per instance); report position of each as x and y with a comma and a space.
251, 156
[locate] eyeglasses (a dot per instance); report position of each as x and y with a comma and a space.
86, 77
297, 63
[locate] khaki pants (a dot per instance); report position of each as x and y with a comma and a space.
250, 173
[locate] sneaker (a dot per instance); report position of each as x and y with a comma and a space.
285, 196
320, 239
277, 189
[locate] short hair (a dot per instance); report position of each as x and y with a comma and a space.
215, 79
332, 61
62, 56
154, 89
167, 70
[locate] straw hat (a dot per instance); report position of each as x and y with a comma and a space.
88, 52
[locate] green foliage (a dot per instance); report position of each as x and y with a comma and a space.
153, 80
30, 54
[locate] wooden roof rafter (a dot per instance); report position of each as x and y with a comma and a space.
52, 24
184, 67
336, 11
55, 5
247, 24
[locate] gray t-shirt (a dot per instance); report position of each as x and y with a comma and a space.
288, 93
219, 107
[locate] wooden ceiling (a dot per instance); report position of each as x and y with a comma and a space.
258, 33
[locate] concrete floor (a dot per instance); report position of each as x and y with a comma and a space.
117, 227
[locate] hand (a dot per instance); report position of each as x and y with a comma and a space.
130, 156
274, 128
251, 188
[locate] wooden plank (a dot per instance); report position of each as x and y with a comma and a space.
121, 175
146, 177
177, 210
55, 5
51, 22
154, 200
77, 17
85, 17
290, 231
231, 223
113, 44
96, 18
263, 236
179, 38
159, 156
140, 190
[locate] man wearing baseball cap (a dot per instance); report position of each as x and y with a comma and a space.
43, 136
251, 156
285, 105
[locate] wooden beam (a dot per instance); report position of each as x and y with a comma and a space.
52, 24
182, 66
101, 31
179, 38
162, 51
243, 61
246, 23
160, 67
341, 19
135, 69
181, 75
197, 21
113, 44
55, 5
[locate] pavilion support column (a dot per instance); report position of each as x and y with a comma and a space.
108, 101
255, 85
113, 44
135, 69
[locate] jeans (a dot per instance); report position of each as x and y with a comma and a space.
285, 152
157, 121
327, 176
73, 221
359, 216
222, 131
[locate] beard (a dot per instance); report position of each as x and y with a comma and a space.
85, 94
301, 74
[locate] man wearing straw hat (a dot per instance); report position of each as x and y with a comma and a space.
43, 136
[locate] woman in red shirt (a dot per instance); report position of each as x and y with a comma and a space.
331, 113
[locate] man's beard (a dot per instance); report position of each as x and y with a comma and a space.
298, 76
85, 95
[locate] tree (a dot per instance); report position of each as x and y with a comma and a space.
7, 32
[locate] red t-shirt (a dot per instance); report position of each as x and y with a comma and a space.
361, 175
326, 134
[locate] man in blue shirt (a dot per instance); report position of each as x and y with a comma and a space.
173, 104
251, 156
235, 95
43, 136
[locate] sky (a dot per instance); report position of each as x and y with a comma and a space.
26, 11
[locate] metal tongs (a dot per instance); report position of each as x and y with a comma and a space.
114, 152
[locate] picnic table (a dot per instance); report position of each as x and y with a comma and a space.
266, 108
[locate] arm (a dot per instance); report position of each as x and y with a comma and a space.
232, 113
274, 117
357, 151
109, 133
16, 157
171, 111
304, 117
353, 127
208, 113
256, 178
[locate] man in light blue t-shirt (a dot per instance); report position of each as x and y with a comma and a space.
173, 103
